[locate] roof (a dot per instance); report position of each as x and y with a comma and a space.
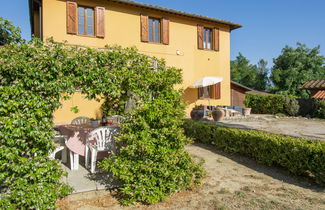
177, 12
315, 84
241, 86
249, 90
319, 94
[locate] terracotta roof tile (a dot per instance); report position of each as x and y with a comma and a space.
314, 84
320, 94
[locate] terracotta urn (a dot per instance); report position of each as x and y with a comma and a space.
247, 111
218, 114
197, 114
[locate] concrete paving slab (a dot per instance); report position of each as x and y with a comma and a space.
83, 181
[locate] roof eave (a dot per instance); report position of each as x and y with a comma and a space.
232, 25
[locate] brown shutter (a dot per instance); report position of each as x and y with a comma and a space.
216, 39
211, 91
200, 36
144, 28
72, 17
165, 31
100, 22
217, 89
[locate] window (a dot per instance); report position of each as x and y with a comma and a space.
207, 38
210, 92
85, 21
154, 30
89, 21
205, 92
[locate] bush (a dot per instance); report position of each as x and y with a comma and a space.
300, 156
319, 108
154, 164
291, 106
27, 178
272, 104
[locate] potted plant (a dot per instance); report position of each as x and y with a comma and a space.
218, 114
247, 111
94, 122
197, 113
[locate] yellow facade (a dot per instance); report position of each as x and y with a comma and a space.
122, 27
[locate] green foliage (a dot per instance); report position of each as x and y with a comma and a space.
294, 67
35, 77
154, 163
253, 76
8, 32
291, 106
319, 108
300, 156
28, 179
272, 104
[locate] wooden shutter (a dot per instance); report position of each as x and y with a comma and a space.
144, 28
72, 17
217, 89
100, 21
200, 36
211, 91
216, 39
165, 30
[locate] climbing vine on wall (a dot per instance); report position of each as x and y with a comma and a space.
33, 77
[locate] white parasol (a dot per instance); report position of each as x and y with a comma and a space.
206, 81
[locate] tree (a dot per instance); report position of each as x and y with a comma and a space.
8, 32
253, 76
294, 67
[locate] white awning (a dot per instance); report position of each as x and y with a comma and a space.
206, 81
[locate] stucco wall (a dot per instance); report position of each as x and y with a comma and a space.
122, 27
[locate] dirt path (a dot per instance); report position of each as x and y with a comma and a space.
300, 127
232, 182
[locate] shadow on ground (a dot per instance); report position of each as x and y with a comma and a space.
275, 172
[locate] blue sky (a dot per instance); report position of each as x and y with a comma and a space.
267, 25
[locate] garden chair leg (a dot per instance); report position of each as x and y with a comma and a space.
64, 155
87, 156
93, 160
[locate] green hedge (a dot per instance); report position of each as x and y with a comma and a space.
272, 104
300, 156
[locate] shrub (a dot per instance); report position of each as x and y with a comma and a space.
319, 108
272, 104
300, 156
154, 163
26, 180
291, 106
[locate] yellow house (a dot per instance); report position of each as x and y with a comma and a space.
197, 44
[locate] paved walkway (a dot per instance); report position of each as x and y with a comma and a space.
83, 181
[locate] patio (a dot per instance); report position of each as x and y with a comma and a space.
83, 181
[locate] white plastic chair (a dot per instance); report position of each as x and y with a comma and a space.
80, 121
116, 119
99, 140
61, 139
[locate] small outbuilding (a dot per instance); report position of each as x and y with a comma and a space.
316, 88
238, 93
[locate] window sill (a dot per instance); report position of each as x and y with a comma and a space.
89, 36
205, 98
157, 43
209, 50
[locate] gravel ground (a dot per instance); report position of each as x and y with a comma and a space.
299, 127
232, 182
